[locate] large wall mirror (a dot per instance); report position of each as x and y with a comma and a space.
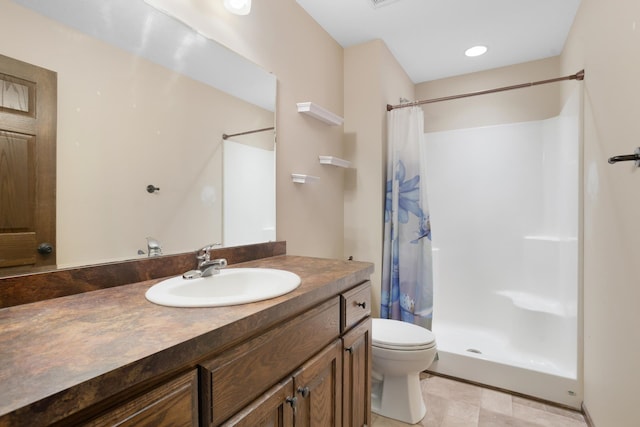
144, 100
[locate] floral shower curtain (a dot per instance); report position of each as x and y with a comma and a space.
407, 269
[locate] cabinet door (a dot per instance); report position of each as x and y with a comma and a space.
318, 386
357, 375
273, 409
171, 404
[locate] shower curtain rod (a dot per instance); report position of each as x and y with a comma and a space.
577, 76
225, 136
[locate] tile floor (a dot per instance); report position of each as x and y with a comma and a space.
456, 404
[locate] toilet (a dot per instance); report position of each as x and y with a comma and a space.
400, 352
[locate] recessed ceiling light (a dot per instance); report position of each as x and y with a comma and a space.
476, 51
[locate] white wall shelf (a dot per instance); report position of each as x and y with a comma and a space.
319, 113
335, 161
303, 179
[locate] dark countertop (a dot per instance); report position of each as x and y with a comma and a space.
62, 355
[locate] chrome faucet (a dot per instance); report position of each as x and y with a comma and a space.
153, 247
206, 266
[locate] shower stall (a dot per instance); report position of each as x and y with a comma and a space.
505, 215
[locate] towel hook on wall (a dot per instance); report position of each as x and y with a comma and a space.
152, 188
635, 157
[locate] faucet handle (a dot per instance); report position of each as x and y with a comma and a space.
153, 247
220, 262
203, 253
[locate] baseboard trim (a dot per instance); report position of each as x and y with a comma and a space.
511, 392
587, 416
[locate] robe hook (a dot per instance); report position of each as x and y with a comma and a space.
635, 157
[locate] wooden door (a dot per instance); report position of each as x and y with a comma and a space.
27, 164
357, 376
318, 386
273, 409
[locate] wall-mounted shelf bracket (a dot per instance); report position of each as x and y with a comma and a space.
319, 113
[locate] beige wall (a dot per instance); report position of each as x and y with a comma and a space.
605, 40
372, 79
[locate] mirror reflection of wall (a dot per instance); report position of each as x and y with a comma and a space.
125, 122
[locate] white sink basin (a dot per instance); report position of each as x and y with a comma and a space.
232, 286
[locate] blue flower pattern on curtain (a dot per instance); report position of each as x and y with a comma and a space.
407, 277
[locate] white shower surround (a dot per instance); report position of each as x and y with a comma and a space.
249, 192
505, 215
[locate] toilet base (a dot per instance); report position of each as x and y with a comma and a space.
400, 398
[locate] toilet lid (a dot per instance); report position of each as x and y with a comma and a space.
397, 335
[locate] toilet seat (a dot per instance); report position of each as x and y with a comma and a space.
397, 335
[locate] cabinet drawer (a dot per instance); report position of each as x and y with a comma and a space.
172, 404
238, 376
356, 305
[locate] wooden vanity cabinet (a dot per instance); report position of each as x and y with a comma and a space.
311, 370
242, 374
322, 359
310, 397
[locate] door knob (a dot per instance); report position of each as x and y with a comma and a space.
45, 248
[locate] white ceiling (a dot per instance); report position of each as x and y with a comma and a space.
428, 37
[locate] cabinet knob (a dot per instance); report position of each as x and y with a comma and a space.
362, 304
293, 401
304, 391
349, 349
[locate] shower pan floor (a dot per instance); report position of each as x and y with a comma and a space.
488, 358
491, 346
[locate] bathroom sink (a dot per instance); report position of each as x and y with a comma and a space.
230, 287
